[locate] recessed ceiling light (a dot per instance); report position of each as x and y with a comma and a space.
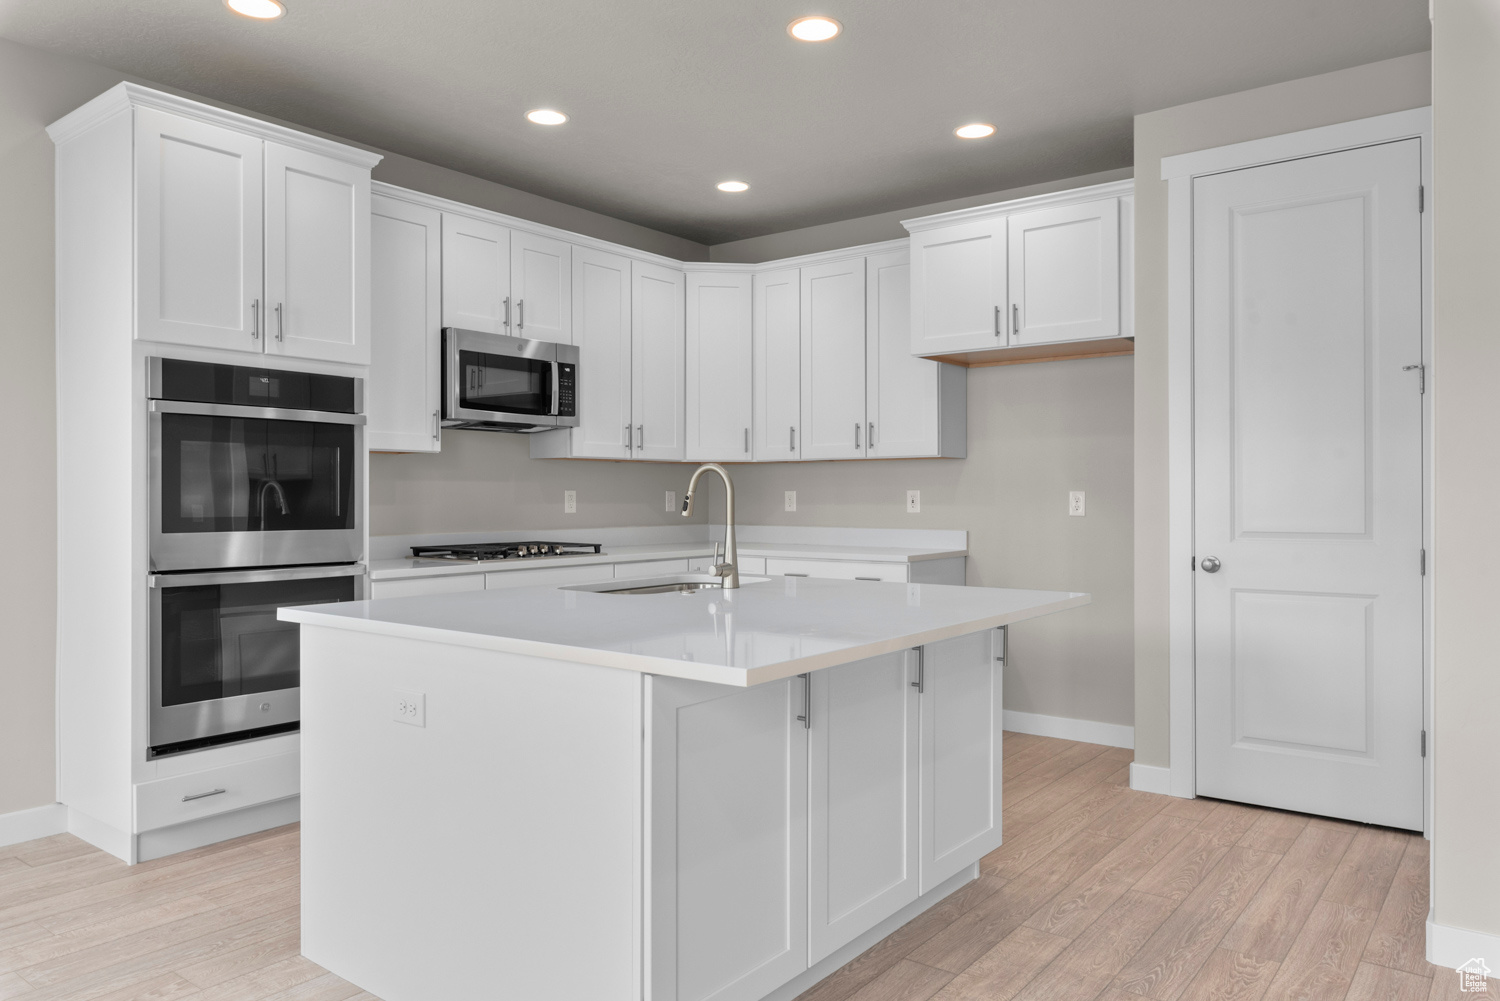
814, 29
976, 131
546, 116
261, 10
733, 186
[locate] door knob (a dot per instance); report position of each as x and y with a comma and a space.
1210, 564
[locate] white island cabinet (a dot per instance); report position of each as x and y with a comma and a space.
714, 794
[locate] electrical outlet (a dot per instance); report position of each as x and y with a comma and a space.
570, 502
1075, 503
913, 502
791, 500
671, 500
409, 707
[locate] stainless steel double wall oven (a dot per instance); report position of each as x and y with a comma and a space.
257, 479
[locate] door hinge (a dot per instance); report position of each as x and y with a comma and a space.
1421, 198
1424, 563
1424, 743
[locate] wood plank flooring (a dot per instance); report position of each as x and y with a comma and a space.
1100, 893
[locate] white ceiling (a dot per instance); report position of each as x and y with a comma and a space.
668, 97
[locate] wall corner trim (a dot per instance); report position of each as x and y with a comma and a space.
1087, 730
28, 825
1451, 947
1150, 778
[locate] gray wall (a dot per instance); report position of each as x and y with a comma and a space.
37, 88
1361, 92
1035, 432
1466, 370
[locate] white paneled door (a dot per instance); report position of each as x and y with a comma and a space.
1308, 480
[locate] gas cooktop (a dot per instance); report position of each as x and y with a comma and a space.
479, 552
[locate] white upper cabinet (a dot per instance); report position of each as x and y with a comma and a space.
718, 404
958, 294
776, 320
403, 392
199, 198
541, 279
833, 360
601, 330
476, 275
913, 406
657, 357
1065, 273
317, 247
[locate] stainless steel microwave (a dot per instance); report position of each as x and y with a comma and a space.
494, 382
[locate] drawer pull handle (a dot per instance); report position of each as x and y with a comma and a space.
201, 795
867, 578
794, 575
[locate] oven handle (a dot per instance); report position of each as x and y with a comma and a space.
260, 413
193, 579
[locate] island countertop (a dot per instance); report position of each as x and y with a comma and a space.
763, 631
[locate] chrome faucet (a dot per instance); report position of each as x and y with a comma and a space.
275, 488
729, 570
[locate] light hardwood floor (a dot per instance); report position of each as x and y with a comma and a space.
1098, 894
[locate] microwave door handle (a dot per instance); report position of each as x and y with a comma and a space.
556, 389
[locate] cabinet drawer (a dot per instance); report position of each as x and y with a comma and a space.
837, 569
651, 568
549, 575
181, 798
426, 585
752, 564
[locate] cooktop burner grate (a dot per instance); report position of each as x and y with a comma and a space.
480, 551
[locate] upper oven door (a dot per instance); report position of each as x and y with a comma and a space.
491, 377
238, 486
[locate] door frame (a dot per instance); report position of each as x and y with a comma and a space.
1179, 172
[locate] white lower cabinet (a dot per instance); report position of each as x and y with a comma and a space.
726, 858
960, 755
547, 575
838, 569
408, 586
862, 798
650, 568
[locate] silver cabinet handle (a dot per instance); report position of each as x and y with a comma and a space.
201, 795
998, 331
806, 718
867, 578
870, 438
794, 575
520, 314
640, 437
507, 312
921, 683
747, 441
791, 440
856, 434
436, 426
1210, 564
280, 330
254, 319
629, 441
1015, 318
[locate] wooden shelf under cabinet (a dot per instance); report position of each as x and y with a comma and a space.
1103, 348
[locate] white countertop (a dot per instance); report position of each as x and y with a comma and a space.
761, 632
394, 569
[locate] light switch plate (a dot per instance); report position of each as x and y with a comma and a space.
671, 500
409, 707
1075, 503
913, 502
791, 500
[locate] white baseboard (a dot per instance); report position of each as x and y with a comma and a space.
221, 827
1451, 947
28, 825
1086, 730
1150, 778
102, 836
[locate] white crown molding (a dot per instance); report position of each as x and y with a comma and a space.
125, 96
1309, 142
1109, 189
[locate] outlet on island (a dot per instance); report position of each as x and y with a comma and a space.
409, 707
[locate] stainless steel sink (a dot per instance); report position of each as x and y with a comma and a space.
674, 584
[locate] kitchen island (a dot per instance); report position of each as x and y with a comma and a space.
567, 794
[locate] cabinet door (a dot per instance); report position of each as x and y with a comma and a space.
1065, 273
726, 839
476, 275
958, 288
657, 361
862, 790
776, 317
406, 587
718, 367
541, 278
833, 360
901, 390
601, 329
960, 759
199, 196
317, 256
402, 391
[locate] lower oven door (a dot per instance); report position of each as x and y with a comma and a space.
221, 662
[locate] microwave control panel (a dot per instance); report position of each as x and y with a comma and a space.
567, 380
